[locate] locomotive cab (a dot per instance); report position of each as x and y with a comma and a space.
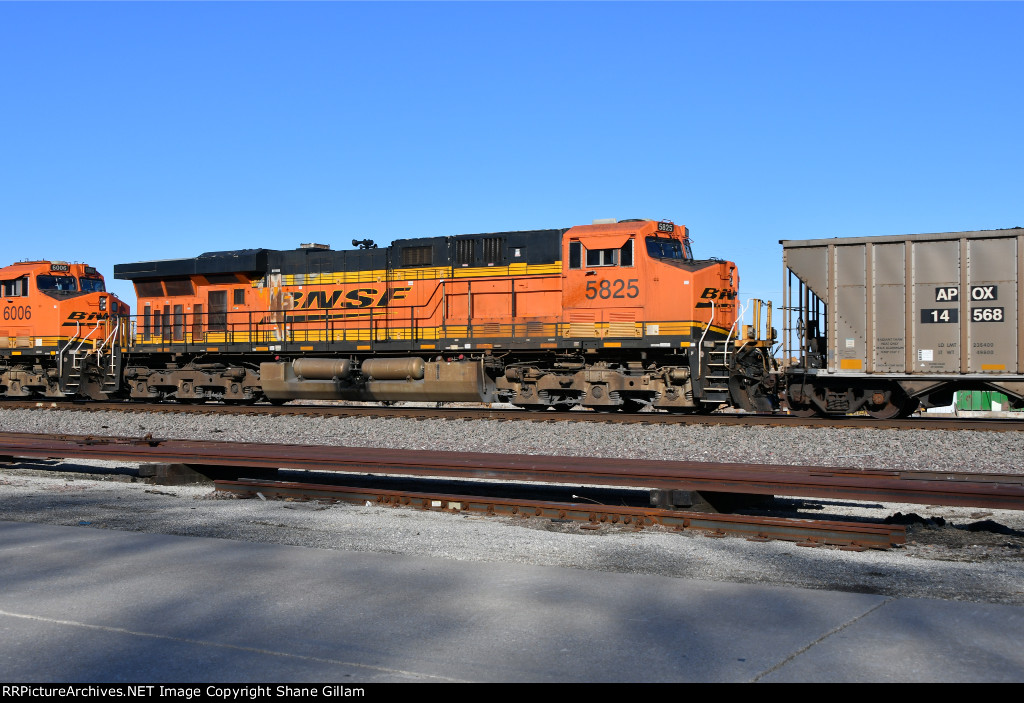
644, 271
61, 333
635, 284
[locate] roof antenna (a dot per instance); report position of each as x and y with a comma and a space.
364, 243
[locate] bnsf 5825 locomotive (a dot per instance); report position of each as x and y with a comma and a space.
609, 315
61, 333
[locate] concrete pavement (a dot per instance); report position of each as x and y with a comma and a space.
79, 604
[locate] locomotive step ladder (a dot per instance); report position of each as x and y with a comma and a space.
716, 381
74, 372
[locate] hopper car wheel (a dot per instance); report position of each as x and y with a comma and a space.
895, 405
802, 410
799, 409
885, 411
910, 407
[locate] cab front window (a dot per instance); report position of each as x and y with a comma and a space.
664, 248
92, 285
61, 283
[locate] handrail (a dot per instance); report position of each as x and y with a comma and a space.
701, 343
86, 338
60, 355
736, 320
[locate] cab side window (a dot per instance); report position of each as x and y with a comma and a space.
602, 257
623, 256
15, 288
626, 254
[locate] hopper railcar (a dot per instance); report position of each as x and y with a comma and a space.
61, 333
887, 324
612, 315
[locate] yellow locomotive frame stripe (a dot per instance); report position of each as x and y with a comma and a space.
416, 274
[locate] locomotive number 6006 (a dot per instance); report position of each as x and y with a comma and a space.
613, 289
17, 312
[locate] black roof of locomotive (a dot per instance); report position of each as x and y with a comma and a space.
535, 247
212, 262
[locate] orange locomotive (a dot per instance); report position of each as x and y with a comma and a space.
61, 333
609, 315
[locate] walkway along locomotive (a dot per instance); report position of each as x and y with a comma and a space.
608, 315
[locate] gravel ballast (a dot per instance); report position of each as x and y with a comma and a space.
976, 555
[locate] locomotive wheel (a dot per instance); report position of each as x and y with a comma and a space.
630, 405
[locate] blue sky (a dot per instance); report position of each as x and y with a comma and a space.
135, 131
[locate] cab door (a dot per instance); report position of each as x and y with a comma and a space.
602, 296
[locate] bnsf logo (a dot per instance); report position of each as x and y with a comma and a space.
356, 303
88, 316
355, 298
718, 294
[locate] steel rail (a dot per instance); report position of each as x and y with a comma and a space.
927, 487
809, 533
484, 413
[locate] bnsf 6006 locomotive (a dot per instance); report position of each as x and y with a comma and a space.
609, 315
61, 333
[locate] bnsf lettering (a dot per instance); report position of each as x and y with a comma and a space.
718, 294
88, 316
355, 298
361, 298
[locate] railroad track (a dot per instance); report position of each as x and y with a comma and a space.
674, 483
852, 536
485, 413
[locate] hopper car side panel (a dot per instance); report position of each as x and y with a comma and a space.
886, 323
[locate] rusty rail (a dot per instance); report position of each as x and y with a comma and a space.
927, 487
807, 533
